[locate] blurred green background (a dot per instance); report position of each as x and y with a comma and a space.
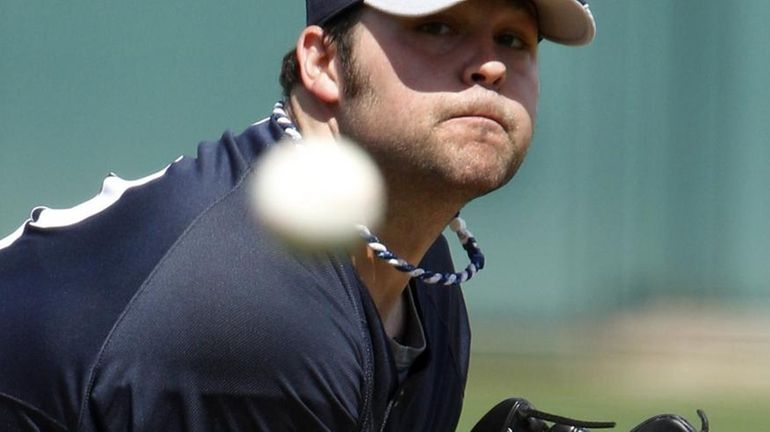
628, 260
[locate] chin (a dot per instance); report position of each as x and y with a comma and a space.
487, 170
475, 180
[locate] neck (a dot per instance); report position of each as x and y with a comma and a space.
409, 231
412, 224
311, 117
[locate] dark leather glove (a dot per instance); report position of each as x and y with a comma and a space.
518, 415
671, 423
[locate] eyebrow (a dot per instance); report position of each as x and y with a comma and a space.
527, 5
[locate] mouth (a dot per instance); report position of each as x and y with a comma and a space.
483, 118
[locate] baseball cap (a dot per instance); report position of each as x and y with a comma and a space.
567, 22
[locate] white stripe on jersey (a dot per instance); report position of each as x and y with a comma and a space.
112, 189
4, 243
259, 122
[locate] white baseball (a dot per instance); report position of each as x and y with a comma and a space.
313, 193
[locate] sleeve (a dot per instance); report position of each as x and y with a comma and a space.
229, 333
18, 416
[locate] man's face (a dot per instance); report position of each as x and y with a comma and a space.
445, 102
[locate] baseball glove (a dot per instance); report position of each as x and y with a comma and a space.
518, 415
671, 423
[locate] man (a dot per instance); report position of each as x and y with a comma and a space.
160, 305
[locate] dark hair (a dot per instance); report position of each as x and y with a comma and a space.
337, 32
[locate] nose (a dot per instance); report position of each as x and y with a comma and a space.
486, 72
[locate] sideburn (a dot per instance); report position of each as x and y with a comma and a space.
354, 82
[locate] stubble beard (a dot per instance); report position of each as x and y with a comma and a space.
416, 157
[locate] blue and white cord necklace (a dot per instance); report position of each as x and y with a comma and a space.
281, 117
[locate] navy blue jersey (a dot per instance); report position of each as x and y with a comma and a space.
161, 305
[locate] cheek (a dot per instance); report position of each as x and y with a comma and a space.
533, 99
528, 90
422, 73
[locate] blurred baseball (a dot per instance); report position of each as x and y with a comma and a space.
313, 193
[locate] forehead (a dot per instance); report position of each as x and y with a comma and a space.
524, 5
483, 10
487, 13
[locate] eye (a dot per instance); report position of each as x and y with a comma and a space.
511, 41
436, 28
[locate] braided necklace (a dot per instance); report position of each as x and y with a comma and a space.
458, 226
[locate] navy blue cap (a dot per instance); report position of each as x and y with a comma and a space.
320, 11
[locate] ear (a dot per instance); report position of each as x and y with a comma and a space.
317, 65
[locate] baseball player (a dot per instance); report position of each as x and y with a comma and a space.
159, 305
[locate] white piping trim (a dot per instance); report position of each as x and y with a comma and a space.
113, 188
257, 123
4, 243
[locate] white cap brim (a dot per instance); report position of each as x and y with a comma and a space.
568, 22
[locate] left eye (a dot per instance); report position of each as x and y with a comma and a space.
436, 28
511, 41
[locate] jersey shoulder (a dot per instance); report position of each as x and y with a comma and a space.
68, 274
236, 330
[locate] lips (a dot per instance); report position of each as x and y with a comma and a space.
482, 109
485, 117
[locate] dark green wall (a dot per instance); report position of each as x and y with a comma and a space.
649, 175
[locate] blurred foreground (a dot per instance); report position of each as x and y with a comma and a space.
666, 359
